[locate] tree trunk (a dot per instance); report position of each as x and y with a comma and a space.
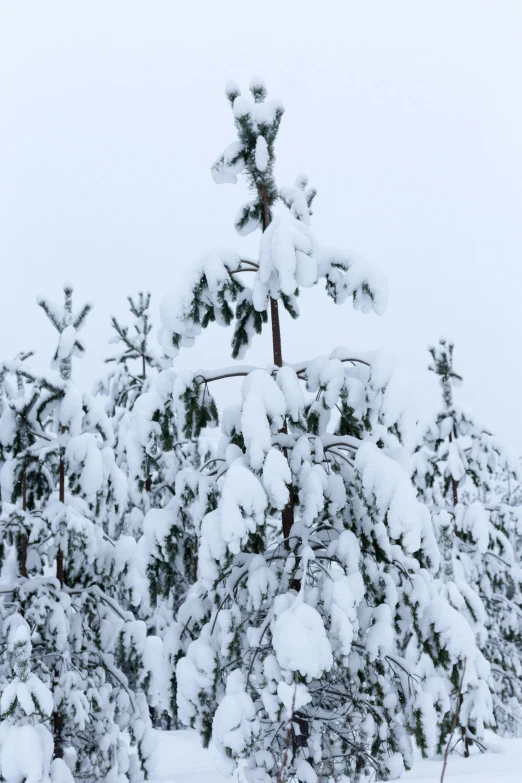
58, 734
23, 534
454, 485
455, 496
454, 491
59, 554
463, 731
288, 511
57, 716
276, 333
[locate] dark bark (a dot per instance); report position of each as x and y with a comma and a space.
274, 306
276, 333
59, 554
454, 723
57, 716
23, 534
59, 566
288, 512
455, 497
58, 735
455, 491
454, 485
300, 737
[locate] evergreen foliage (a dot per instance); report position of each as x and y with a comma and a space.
57, 476
151, 451
26, 744
457, 467
285, 588
315, 558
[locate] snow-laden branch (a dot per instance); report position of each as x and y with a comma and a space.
95, 590
300, 368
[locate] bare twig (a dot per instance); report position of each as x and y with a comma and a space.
281, 775
453, 723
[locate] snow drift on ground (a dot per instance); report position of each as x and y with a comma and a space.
181, 759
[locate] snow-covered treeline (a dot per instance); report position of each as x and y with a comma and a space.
316, 590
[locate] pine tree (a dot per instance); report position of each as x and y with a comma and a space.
18, 433
135, 346
131, 370
148, 446
501, 590
314, 553
26, 744
72, 570
151, 453
456, 466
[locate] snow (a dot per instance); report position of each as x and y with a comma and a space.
276, 476
287, 258
60, 772
176, 308
261, 154
296, 199
71, 409
235, 725
181, 759
25, 753
229, 164
66, 342
246, 221
394, 495
260, 114
84, 457
356, 278
261, 580
242, 506
477, 523
300, 640
293, 696
263, 410
317, 622
194, 673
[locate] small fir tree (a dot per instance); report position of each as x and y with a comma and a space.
73, 569
26, 706
456, 465
151, 452
132, 367
501, 591
24, 482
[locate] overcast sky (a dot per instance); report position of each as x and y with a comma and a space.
407, 117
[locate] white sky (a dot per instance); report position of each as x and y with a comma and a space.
407, 117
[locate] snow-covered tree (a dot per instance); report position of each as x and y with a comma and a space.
19, 472
150, 452
131, 368
501, 591
315, 555
148, 445
26, 706
73, 569
456, 468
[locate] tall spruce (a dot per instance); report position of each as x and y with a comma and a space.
457, 468
315, 555
58, 474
